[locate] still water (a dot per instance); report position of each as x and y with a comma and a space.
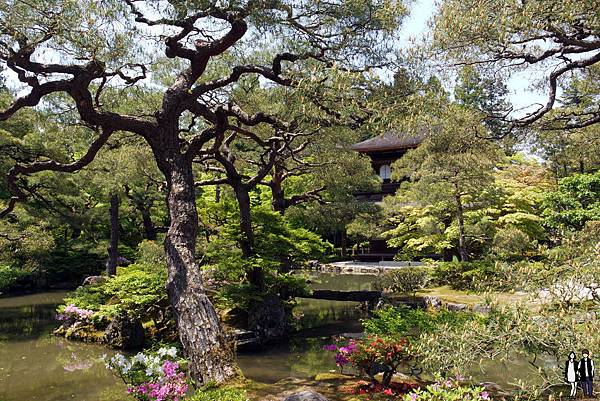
37, 366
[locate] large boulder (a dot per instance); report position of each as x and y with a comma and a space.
93, 280
307, 395
432, 302
125, 333
268, 319
454, 307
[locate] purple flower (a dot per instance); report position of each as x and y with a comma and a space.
330, 347
341, 360
170, 368
414, 396
484, 395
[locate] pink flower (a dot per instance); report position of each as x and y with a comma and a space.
388, 391
484, 395
170, 368
413, 396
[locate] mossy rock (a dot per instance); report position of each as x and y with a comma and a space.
332, 376
84, 332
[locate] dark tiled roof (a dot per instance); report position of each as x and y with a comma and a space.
388, 141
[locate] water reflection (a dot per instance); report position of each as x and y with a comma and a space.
319, 320
37, 366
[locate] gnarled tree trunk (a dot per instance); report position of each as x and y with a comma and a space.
211, 357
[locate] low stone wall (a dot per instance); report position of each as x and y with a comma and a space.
361, 268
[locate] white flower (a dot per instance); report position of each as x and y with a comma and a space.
172, 352
140, 358
118, 360
126, 367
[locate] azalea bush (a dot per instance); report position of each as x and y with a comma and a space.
447, 390
72, 313
373, 355
152, 376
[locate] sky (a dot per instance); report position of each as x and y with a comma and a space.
521, 95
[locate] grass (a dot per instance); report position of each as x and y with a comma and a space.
447, 294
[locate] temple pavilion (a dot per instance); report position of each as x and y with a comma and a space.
383, 151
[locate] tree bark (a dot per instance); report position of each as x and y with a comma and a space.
113, 247
256, 275
278, 203
211, 357
148, 224
344, 242
462, 243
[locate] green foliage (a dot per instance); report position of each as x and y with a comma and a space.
72, 265
576, 201
479, 275
485, 94
133, 290
411, 323
222, 393
278, 246
504, 219
406, 280
447, 390
9, 276
242, 295
512, 244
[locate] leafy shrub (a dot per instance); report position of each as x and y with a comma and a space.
410, 323
407, 280
152, 376
373, 355
477, 275
242, 295
9, 276
223, 393
447, 390
576, 201
512, 244
133, 290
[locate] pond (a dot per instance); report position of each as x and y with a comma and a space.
37, 366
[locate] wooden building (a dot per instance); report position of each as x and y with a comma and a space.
383, 151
